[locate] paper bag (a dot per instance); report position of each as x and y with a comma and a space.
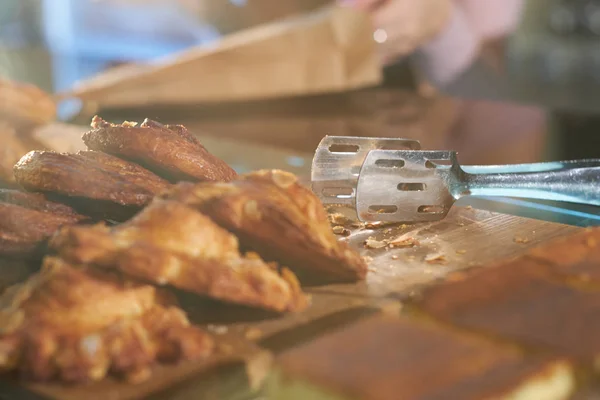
330, 50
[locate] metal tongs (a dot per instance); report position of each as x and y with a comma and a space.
393, 180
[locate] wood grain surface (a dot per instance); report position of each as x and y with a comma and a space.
548, 300
453, 340
389, 358
467, 238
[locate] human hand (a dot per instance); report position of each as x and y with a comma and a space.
401, 26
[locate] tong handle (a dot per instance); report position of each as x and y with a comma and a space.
568, 181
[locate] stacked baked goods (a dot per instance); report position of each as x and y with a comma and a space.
147, 208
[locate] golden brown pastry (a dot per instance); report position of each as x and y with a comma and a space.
24, 231
283, 221
28, 219
78, 324
168, 150
11, 150
170, 243
37, 202
94, 183
24, 106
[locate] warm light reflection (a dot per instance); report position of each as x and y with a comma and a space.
380, 36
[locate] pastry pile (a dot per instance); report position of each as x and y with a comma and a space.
144, 209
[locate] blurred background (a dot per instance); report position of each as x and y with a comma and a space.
531, 95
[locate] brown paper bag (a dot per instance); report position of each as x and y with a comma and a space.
330, 50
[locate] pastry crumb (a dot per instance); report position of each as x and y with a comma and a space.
436, 258
469, 207
404, 241
342, 220
395, 257
461, 252
368, 259
372, 243
520, 239
337, 219
340, 230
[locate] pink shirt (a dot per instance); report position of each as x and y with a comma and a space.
472, 22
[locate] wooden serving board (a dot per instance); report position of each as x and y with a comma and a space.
467, 238
522, 328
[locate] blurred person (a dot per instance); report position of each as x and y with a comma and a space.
445, 40
445, 36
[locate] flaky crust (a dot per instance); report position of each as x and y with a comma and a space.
79, 324
24, 231
24, 106
37, 202
283, 221
93, 182
168, 150
170, 243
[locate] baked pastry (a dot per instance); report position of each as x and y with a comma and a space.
25, 106
27, 220
38, 202
94, 183
168, 150
170, 243
77, 324
24, 231
283, 221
